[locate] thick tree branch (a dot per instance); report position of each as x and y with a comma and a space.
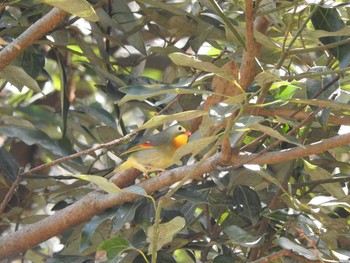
36, 31
96, 202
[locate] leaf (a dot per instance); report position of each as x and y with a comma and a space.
219, 112
32, 136
288, 244
100, 114
318, 173
8, 165
166, 232
32, 62
126, 19
63, 94
181, 116
111, 248
125, 214
19, 78
283, 215
276, 134
80, 8
241, 237
194, 147
315, 85
143, 92
192, 195
89, 229
134, 189
181, 59
101, 182
323, 103
242, 124
329, 19
246, 202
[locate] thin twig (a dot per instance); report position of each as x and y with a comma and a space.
10, 193
79, 154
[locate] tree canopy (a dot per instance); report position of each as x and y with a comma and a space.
262, 85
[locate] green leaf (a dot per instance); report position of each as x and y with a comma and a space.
181, 59
125, 214
192, 195
181, 116
276, 134
166, 232
19, 78
126, 19
315, 85
318, 173
100, 114
194, 147
112, 247
32, 62
89, 229
80, 8
134, 189
63, 94
241, 237
32, 136
143, 92
283, 215
329, 19
246, 203
101, 182
288, 244
323, 103
8, 165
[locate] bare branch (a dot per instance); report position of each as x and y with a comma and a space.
36, 31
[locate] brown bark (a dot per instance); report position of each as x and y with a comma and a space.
36, 31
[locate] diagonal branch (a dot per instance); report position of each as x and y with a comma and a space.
36, 31
96, 202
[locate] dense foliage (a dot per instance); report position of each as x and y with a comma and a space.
263, 87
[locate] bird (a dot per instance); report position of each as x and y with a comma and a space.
156, 152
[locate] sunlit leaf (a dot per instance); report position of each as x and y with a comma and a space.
241, 237
288, 244
143, 92
181, 116
79, 8
194, 147
166, 232
19, 78
318, 173
276, 134
111, 248
101, 182
189, 61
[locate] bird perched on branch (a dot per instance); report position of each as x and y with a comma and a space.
157, 151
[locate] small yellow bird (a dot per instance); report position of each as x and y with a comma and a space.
157, 151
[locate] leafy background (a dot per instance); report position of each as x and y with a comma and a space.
111, 66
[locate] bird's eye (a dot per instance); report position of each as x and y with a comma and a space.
179, 128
